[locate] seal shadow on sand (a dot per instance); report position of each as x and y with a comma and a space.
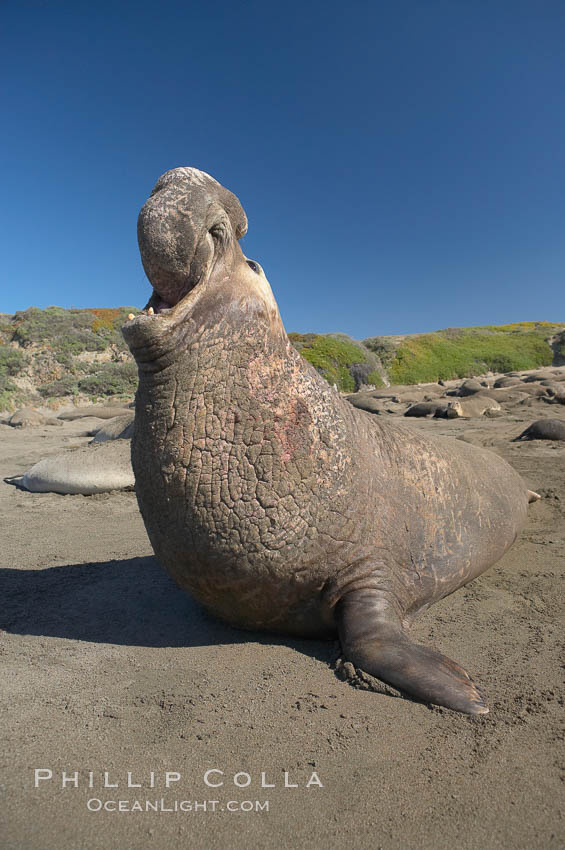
129, 602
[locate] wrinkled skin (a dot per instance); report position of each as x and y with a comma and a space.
267, 496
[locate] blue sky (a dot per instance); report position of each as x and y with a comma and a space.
402, 164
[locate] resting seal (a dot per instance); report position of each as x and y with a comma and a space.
543, 429
28, 417
275, 502
428, 408
118, 428
92, 469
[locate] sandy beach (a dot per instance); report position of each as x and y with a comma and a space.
109, 669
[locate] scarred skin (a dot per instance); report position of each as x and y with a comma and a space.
270, 498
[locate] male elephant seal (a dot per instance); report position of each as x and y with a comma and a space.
543, 429
275, 502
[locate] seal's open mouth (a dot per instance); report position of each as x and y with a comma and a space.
184, 229
174, 308
158, 304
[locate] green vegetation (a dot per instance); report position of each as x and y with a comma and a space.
559, 348
111, 379
11, 362
463, 352
339, 359
57, 350
104, 379
55, 389
545, 328
8, 395
384, 348
70, 332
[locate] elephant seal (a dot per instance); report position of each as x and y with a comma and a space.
118, 428
272, 500
544, 429
475, 405
428, 408
87, 470
98, 411
28, 417
506, 381
555, 398
532, 377
366, 402
469, 387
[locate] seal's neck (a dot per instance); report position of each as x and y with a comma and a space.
228, 310
240, 380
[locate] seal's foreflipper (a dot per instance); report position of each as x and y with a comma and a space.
372, 639
532, 496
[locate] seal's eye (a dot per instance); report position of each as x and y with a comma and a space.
255, 266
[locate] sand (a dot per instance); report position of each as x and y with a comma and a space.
108, 667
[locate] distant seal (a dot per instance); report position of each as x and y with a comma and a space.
367, 402
506, 381
474, 405
544, 429
428, 408
99, 411
470, 387
28, 417
269, 497
87, 470
535, 376
556, 397
118, 428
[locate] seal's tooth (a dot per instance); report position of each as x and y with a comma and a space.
131, 316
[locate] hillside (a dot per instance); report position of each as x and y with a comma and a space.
47, 355
467, 352
55, 355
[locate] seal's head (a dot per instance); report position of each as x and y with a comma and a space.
179, 226
188, 232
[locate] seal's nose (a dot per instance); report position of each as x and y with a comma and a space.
173, 229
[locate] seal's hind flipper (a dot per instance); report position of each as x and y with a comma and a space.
373, 640
532, 496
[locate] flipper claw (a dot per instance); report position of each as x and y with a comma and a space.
381, 648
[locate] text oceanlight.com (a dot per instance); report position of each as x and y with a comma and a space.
94, 804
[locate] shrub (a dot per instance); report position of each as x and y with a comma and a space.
105, 318
6, 385
545, 328
69, 332
375, 379
429, 357
12, 361
35, 325
111, 379
9, 398
55, 389
338, 358
107, 324
559, 349
383, 347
